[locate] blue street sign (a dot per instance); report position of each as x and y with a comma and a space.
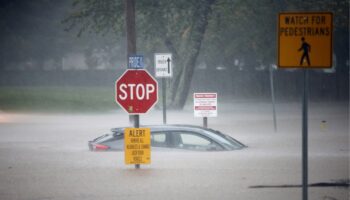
136, 62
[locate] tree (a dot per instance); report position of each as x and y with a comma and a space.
184, 44
178, 26
244, 31
217, 31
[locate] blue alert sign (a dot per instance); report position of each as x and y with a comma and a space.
136, 62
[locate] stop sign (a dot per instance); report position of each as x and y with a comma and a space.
136, 91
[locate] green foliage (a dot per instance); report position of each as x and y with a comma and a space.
243, 30
246, 29
57, 99
178, 26
237, 31
97, 16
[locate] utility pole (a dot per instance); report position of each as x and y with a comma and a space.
130, 34
130, 27
131, 48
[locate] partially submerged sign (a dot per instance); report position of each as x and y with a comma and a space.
137, 145
305, 40
205, 104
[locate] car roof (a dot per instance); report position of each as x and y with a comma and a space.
167, 127
178, 127
181, 127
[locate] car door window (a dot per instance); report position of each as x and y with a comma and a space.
193, 141
158, 139
115, 144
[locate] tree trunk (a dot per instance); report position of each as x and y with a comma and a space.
131, 44
130, 27
180, 84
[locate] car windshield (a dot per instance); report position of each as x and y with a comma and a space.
225, 140
103, 138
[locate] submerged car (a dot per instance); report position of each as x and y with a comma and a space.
182, 137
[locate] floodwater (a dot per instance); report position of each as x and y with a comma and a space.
45, 156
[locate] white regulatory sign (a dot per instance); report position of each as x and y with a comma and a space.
163, 64
205, 104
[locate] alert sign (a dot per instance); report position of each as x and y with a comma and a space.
205, 104
136, 91
137, 145
305, 40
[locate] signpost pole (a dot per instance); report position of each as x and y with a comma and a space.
137, 125
136, 91
205, 122
305, 135
163, 70
273, 100
204, 106
130, 32
164, 99
294, 51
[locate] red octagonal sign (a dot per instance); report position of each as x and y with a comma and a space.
136, 91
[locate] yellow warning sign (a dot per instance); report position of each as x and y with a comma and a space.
305, 40
137, 145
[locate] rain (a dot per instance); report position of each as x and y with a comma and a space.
61, 63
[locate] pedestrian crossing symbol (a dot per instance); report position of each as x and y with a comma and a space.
305, 40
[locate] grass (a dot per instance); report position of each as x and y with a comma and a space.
57, 99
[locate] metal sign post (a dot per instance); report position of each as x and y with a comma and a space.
130, 34
305, 41
136, 62
205, 105
305, 135
205, 122
273, 99
163, 69
137, 125
136, 91
164, 99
